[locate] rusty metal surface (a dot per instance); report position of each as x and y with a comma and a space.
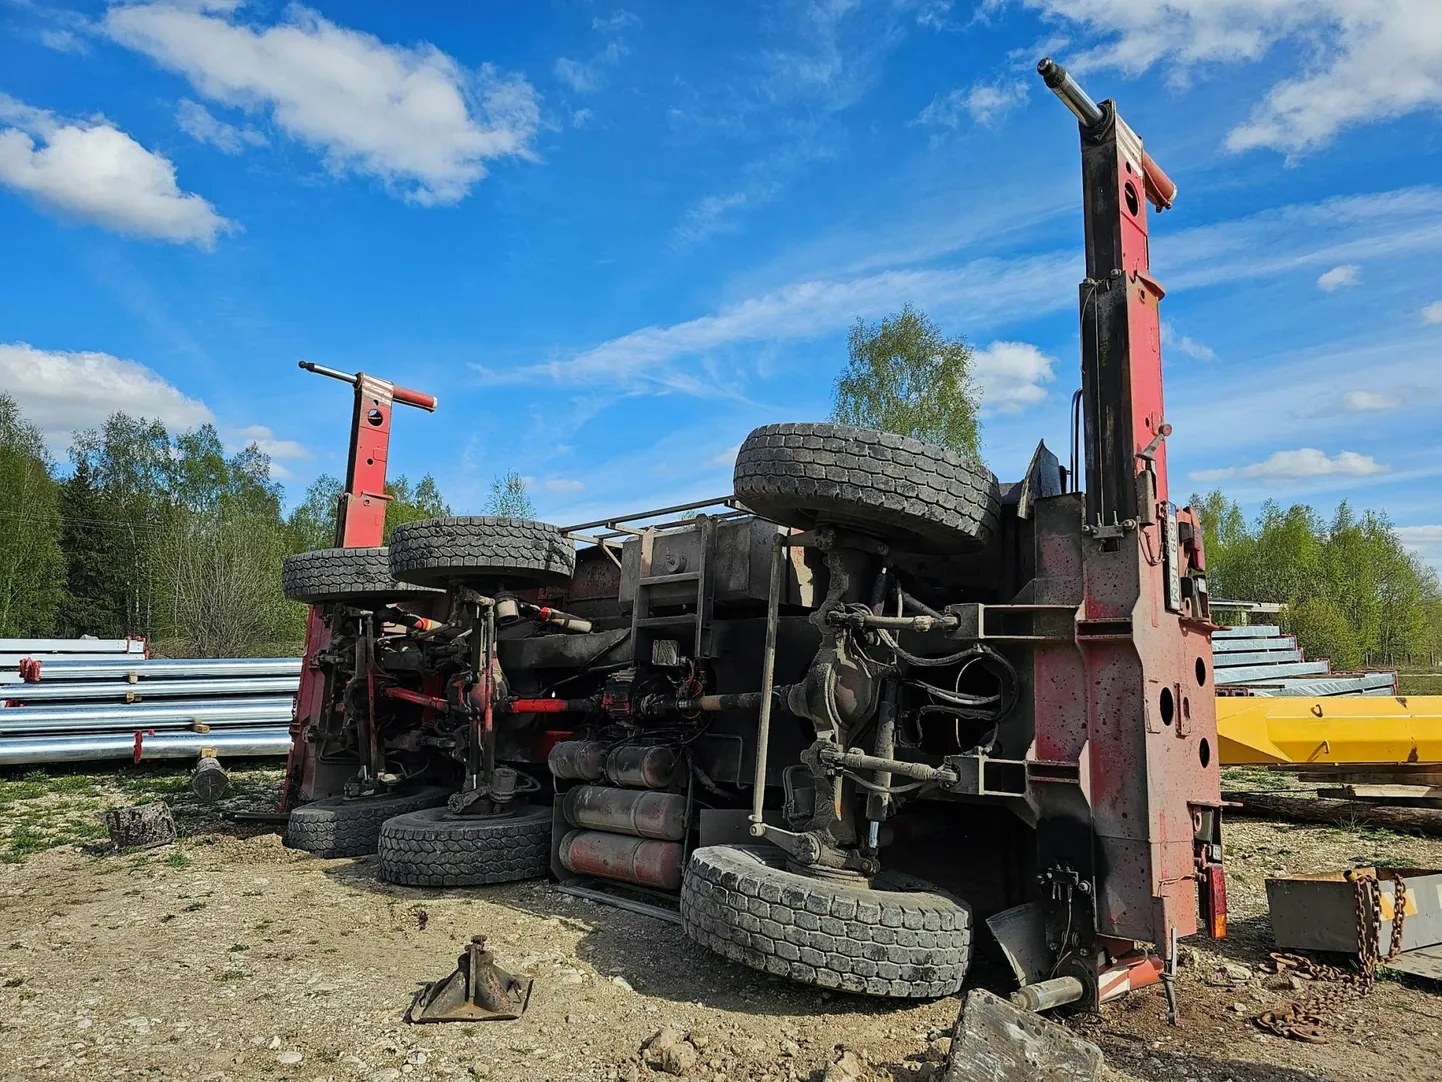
622, 857
477, 990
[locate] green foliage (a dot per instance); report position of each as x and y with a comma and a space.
412, 504
1322, 631
903, 375
1351, 587
166, 537
313, 520
509, 498
32, 566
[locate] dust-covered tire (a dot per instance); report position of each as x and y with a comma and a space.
442, 550
323, 575
912, 941
919, 497
344, 827
433, 848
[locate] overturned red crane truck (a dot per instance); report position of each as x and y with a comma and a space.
828, 722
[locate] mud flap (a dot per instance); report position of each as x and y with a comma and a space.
478, 991
996, 1042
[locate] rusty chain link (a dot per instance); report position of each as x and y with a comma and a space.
1307, 1021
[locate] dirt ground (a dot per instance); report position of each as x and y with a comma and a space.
227, 956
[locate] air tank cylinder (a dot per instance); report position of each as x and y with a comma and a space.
578, 760
619, 856
639, 812
639, 766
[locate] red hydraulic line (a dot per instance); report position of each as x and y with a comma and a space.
547, 706
405, 695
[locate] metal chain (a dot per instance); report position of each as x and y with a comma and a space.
1307, 1021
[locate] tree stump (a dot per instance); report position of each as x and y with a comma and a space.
142, 827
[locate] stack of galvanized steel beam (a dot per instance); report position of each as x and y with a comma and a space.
1260, 660
74, 700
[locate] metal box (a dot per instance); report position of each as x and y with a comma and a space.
1318, 912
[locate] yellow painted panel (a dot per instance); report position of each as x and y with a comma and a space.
1340, 729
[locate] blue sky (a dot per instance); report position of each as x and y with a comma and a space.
613, 239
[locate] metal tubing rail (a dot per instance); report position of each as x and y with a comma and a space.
172, 668
84, 747
124, 691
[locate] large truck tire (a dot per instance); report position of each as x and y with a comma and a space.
918, 497
351, 574
433, 848
340, 826
437, 551
902, 937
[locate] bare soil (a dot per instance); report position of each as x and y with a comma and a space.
226, 956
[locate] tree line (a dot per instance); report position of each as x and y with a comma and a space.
161, 535
1353, 592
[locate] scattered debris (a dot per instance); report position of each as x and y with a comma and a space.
142, 827
847, 1067
478, 991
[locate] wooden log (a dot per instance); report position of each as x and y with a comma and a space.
141, 827
210, 781
1346, 813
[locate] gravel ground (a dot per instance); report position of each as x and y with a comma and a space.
227, 956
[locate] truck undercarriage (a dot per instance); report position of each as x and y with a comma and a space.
833, 718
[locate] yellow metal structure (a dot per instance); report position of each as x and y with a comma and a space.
1338, 730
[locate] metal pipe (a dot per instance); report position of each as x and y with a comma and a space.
72, 646
11, 660
84, 747
768, 677
744, 700
857, 760
151, 689
63, 668
57, 719
1044, 995
1088, 112
404, 395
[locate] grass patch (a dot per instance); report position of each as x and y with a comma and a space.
44, 808
177, 859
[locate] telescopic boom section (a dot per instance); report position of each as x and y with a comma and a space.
1147, 750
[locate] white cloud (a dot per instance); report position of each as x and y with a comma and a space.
589, 76
1368, 402
1011, 376
727, 458
1186, 345
715, 213
986, 104
61, 391
94, 171
617, 22
1306, 462
63, 41
1364, 60
266, 440
412, 117
1432, 313
1425, 541
667, 359
1339, 277
563, 484
197, 122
